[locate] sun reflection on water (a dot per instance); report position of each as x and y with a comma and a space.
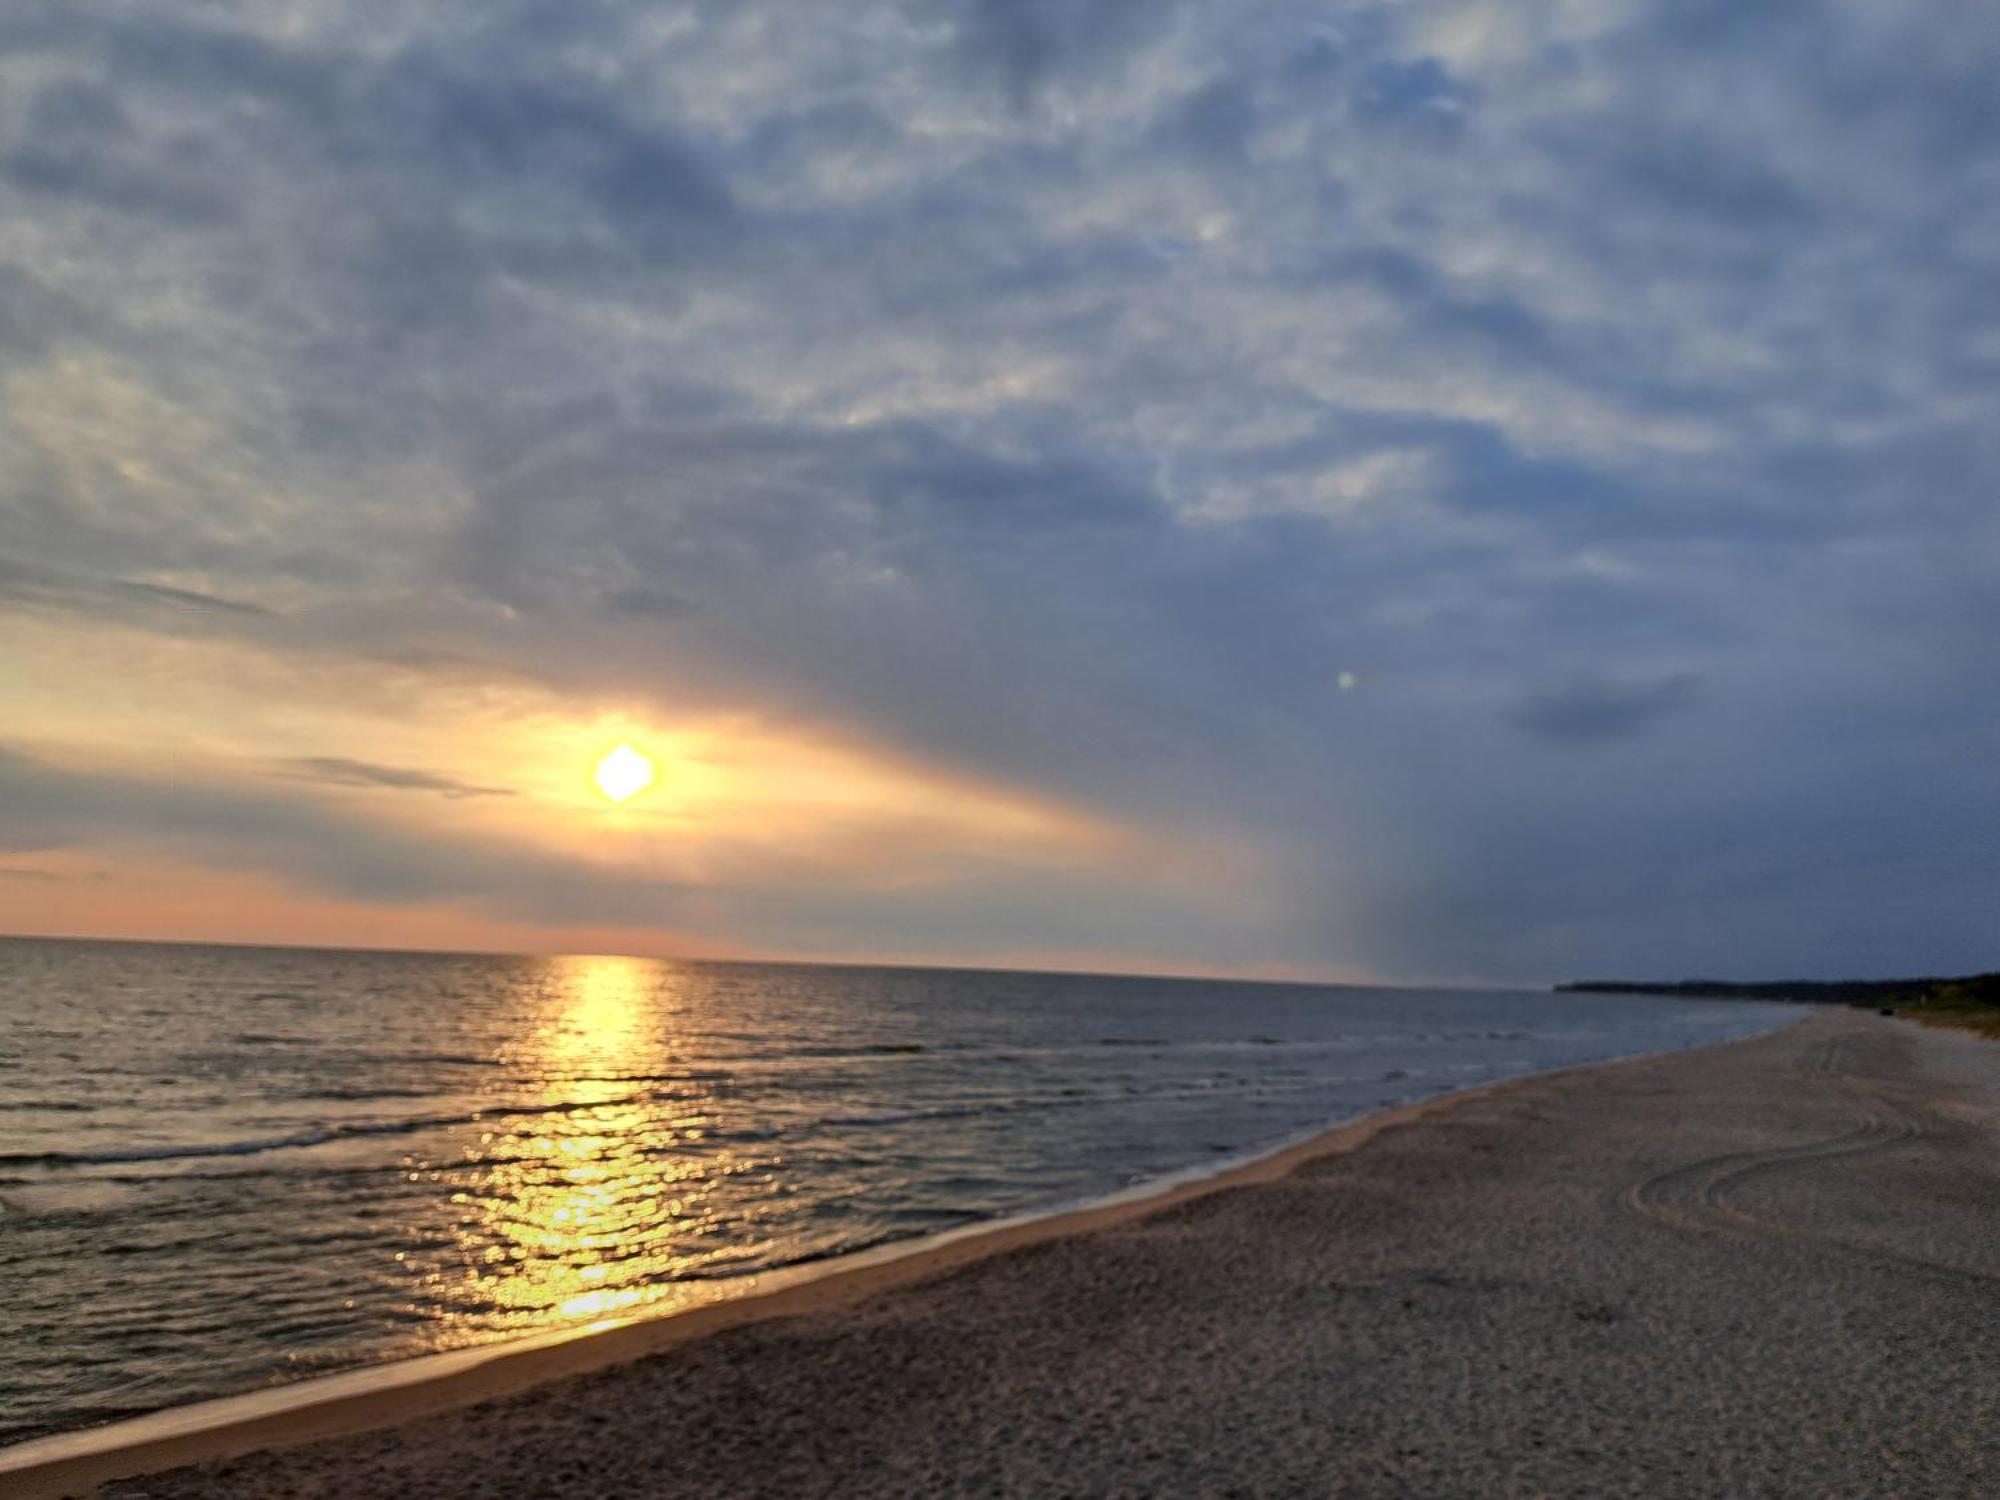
602, 1016
599, 1199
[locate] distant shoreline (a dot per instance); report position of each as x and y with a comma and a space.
1983, 988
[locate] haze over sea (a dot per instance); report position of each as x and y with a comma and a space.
225, 1167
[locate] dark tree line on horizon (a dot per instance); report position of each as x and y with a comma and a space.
1974, 989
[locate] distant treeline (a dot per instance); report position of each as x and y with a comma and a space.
1983, 989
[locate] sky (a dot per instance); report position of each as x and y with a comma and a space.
1452, 490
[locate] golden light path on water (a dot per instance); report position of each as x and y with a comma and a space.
601, 1204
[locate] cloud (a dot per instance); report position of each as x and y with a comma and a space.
1027, 42
337, 771
1591, 709
25, 585
646, 603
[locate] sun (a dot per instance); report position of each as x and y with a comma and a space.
622, 773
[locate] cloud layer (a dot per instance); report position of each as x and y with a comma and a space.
1514, 480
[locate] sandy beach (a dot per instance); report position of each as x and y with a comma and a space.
1766, 1269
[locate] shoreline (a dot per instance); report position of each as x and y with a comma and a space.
371, 1397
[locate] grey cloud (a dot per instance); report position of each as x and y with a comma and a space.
1026, 42
1591, 709
192, 200
24, 584
33, 315
646, 602
1400, 89
339, 771
515, 133
78, 141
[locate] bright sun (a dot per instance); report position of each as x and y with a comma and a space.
623, 773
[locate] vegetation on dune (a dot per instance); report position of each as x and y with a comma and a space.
1971, 1003
1968, 1004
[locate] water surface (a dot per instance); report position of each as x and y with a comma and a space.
222, 1167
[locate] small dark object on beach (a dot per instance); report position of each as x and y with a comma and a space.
1887, 1011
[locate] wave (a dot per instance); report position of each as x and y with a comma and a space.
125, 1154
728, 1065
979, 1054
445, 1059
679, 1075
1204, 1088
315, 1135
326, 1133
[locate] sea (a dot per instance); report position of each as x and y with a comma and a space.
226, 1167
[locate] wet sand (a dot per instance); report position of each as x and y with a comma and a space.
1766, 1269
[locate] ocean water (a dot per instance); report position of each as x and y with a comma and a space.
226, 1167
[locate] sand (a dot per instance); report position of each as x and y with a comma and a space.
1766, 1269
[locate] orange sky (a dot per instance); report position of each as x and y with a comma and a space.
240, 784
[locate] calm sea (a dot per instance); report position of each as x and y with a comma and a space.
225, 1167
